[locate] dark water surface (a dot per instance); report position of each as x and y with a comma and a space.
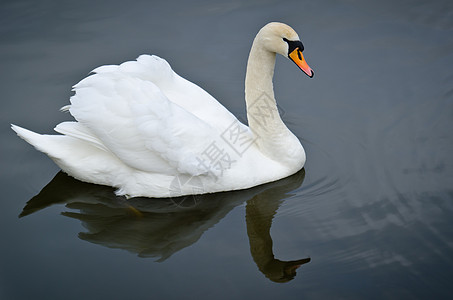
373, 210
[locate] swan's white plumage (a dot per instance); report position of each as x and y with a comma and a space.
140, 126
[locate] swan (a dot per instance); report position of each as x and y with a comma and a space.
148, 132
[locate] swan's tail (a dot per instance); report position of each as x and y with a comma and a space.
57, 147
74, 156
36, 140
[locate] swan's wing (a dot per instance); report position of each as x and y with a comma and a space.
178, 90
134, 120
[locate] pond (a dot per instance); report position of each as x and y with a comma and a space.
369, 217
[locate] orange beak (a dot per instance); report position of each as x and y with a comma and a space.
297, 57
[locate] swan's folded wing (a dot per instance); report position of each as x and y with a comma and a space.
135, 121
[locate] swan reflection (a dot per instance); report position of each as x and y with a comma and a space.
159, 228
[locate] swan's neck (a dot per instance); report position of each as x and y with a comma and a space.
273, 137
262, 113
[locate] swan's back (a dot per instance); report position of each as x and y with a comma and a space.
151, 68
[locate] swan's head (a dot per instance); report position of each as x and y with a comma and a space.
281, 38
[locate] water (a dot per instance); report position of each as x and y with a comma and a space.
372, 210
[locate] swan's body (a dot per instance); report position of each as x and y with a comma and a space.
148, 132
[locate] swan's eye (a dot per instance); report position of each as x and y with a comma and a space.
293, 45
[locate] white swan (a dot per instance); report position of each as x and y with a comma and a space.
149, 132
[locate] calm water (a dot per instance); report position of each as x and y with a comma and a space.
370, 217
